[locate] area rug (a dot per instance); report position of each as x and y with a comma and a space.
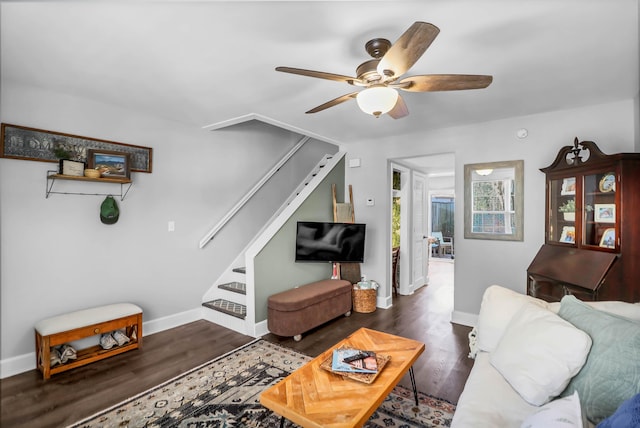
224, 393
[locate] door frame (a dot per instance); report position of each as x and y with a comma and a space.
415, 175
404, 281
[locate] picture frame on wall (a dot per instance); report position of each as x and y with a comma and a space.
110, 164
608, 239
605, 213
25, 143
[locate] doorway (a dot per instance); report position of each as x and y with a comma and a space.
442, 225
400, 237
438, 175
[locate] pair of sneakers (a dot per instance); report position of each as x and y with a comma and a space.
115, 338
62, 354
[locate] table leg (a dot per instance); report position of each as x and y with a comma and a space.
281, 421
413, 384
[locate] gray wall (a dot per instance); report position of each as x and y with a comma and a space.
275, 268
55, 254
480, 263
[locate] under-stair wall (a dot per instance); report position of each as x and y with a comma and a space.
233, 298
271, 264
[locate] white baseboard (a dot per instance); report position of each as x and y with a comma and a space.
16, 365
464, 318
260, 329
165, 323
23, 363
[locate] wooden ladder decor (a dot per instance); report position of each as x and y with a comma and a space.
344, 213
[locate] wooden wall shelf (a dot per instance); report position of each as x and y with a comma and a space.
52, 176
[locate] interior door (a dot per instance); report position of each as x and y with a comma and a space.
420, 253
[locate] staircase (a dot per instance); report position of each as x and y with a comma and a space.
229, 307
228, 299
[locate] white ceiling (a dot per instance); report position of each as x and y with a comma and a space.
204, 62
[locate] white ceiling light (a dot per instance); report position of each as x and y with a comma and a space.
484, 172
377, 100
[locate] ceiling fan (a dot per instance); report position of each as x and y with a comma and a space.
381, 76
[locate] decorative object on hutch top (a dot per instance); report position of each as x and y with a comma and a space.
20, 142
594, 255
494, 200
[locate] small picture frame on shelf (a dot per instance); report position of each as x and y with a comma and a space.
110, 164
568, 186
608, 239
568, 235
605, 213
608, 183
71, 167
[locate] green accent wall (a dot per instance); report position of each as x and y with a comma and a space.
275, 267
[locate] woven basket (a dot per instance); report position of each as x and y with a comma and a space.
364, 301
92, 173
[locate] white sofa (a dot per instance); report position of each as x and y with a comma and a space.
530, 360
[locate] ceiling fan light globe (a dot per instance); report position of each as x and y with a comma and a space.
377, 100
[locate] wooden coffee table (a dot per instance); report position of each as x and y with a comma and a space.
314, 397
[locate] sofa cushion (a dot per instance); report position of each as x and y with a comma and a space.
611, 374
563, 412
307, 295
499, 305
539, 353
488, 401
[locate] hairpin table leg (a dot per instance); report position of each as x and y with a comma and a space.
413, 384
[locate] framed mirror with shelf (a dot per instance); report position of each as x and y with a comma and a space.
494, 200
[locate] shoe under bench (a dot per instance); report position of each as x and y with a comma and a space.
85, 323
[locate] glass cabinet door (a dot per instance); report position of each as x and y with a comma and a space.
562, 210
599, 208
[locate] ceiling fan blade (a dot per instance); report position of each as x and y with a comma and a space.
444, 82
407, 49
333, 102
400, 110
318, 74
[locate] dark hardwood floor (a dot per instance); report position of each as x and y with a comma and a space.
28, 401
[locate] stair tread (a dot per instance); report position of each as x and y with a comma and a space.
240, 269
227, 307
235, 286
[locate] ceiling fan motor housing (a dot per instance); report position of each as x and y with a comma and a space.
377, 47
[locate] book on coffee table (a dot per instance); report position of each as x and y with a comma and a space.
354, 361
381, 361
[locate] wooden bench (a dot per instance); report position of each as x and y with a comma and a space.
78, 325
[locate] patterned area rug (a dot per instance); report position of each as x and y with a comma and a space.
224, 393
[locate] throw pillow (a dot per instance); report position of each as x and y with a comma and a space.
539, 353
563, 412
611, 374
627, 415
499, 305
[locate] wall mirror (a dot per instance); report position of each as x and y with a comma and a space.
494, 200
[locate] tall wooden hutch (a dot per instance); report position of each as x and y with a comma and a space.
592, 232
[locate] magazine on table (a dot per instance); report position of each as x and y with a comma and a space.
354, 361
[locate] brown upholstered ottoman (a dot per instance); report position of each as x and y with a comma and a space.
295, 311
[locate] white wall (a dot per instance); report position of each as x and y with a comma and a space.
56, 255
480, 263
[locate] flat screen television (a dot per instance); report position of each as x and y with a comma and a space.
330, 242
